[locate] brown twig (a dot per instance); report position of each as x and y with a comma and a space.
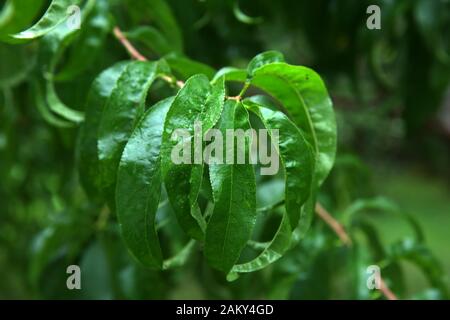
334, 224
386, 291
342, 234
135, 54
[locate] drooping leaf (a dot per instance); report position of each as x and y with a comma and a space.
53, 45
87, 152
196, 102
139, 186
120, 114
296, 156
44, 110
234, 189
55, 15
272, 252
304, 97
86, 48
356, 209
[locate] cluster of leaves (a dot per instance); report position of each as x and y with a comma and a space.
242, 222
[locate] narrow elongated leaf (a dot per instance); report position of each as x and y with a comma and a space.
45, 112
296, 156
200, 102
53, 45
124, 106
355, 210
234, 189
87, 155
58, 107
139, 186
55, 15
304, 97
303, 94
273, 251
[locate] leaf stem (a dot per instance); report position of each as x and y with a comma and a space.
244, 89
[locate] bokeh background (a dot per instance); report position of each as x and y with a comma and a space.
391, 93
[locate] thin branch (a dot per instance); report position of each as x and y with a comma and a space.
334, 224
342, 234
134, 53
386, 291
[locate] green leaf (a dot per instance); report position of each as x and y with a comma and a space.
230, 74
296, 156
44, 110
58, 107
197, 101
421, 256
431, 18
89, 42
159, 13
304, 98
55, 15
263, 59
18, 14
139, 186
234, 189
53, 46
87, 152
186, 67
242, 17
357, 208
273, 251
124, 106
181, 257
